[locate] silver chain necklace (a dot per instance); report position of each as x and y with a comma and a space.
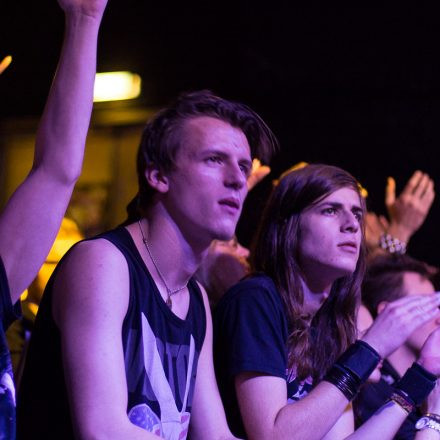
170, 292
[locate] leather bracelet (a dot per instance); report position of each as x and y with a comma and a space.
353, 368
417, 383
404, 401
361, 359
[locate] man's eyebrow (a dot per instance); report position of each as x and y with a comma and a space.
221, 153
212, 150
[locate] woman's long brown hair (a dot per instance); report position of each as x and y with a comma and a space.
313, 345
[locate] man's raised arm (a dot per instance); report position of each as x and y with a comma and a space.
32, 216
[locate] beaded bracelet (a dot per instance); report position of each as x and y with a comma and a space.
392, 245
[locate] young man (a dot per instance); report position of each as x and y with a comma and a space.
123, 342
388, 279
32, 217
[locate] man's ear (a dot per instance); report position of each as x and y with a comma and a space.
381, 306
157, 179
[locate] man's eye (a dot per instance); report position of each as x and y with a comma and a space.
358, 216
329, 211
245, 170
214, 159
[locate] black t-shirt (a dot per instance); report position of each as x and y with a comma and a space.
8, 313
160, 353
373, 395
250, 335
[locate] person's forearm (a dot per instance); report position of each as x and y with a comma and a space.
63, 128
399, 231
120, 431
427, 434
311, 417
32, 216
383, 424
315, 415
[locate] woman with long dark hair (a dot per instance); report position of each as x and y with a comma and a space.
288, 362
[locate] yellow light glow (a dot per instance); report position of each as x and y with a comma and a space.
5, 63
116, 86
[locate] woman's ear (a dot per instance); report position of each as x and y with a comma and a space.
157, 179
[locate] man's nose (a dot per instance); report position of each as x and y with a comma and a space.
235, 177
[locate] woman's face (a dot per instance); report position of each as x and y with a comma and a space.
330, 238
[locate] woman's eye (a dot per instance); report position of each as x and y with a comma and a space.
329, 211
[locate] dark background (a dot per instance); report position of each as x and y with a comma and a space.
354, 86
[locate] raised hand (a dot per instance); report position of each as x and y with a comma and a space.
399, 319
258, 173
408, 211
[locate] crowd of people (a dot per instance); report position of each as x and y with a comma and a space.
326, 328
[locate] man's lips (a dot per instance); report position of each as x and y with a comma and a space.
230, 202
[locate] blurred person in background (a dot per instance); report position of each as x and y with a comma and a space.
390, 278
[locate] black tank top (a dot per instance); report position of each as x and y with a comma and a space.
160, 352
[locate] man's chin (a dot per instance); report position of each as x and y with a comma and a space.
224, 234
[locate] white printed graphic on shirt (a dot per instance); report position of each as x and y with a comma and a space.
6, 383
299, 389
173, 424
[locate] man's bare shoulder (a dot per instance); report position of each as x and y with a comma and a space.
97, 254
95, 275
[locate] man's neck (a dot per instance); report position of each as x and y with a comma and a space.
402, 359
176, 258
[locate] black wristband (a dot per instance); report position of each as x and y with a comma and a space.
361, 359
417, 383
353, 368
